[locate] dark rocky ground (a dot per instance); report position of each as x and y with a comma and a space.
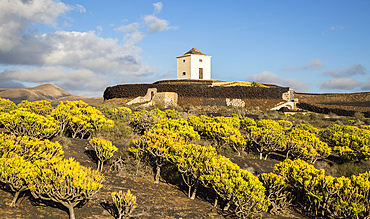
164, 200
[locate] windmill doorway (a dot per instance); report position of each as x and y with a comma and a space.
200, 73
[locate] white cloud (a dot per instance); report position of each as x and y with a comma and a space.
340, 83
314, 64
136, 31
39, 11
99, 28
157, 7
355, 69
133, 38
268, 77
74, 80
66, 24
346, 84
155, 24
16, 14
80, 8
334, 28
128, 28
77, 61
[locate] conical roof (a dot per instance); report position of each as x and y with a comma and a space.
193, 51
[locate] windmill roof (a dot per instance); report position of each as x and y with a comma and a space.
193, 51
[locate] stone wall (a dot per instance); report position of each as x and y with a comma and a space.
357, 102
262, 104
326, 110
165, 99
331, 98
196, 90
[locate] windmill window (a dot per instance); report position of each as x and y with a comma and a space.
183, 73
183, 60
200, 60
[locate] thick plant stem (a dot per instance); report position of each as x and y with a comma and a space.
194, 191
101, 166
71, 212
227, 206
266, 156
216, 202
15, 197
158, 174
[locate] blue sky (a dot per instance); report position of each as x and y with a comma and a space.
84, 46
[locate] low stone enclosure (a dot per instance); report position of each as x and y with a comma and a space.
203, 93
341, 104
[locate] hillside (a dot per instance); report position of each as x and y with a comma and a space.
48, 92
347, 101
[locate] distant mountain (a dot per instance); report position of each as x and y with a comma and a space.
49, 92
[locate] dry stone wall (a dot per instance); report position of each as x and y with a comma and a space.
333, 98
196, 90
326, 110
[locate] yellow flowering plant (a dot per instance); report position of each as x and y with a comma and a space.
24, 123
189, 160
143, 120
172, 114
7, 105
179, 126
104, 150
157, 143
276, 192
246, 122
235, 186
79, 119
41, 107
219, 133
125, 203
65, 182
266, 137
338, 197
31, 149
16, 172
350, 142
306, 145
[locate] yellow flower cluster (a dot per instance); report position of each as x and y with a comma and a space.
66, 182
6, 105
266, 137
323, 195
41, 107
21, 122
143, 120
79, 118
125, 203
179, 126
306, 145
236, 186
16, 172
31, 149
190, 160
19, 157
350, 142
104, 150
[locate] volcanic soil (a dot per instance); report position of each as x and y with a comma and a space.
163, 200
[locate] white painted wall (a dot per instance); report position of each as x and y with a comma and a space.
191, 66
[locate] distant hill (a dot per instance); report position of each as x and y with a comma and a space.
48, 92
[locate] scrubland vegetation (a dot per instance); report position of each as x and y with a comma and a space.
324, 169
